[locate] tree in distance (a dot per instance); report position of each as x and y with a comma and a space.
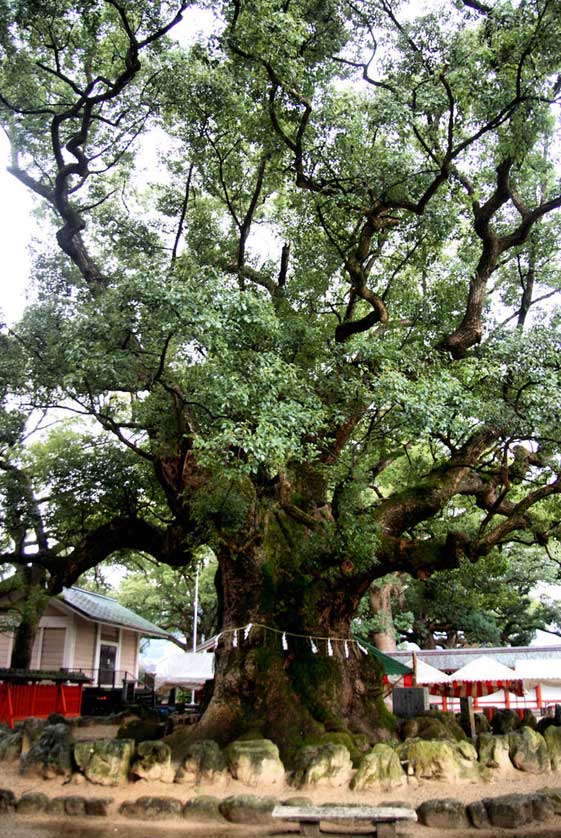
166, 596
324, 343
502, 600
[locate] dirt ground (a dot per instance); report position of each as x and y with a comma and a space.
117, 827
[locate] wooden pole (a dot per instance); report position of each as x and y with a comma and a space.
414, 669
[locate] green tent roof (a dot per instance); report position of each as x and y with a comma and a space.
389, 665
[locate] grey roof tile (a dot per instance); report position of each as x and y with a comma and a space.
449, 660
104, 609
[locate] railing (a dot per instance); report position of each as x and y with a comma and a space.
533, 699
18, 701
110, 678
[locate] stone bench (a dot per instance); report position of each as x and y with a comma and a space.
382, 818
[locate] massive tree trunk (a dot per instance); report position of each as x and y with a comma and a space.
296, 673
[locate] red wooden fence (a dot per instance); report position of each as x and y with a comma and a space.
18, 701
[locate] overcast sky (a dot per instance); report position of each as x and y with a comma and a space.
15, 231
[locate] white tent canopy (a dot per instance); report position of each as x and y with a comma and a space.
484, 668
188, 670
427, 674
539, 671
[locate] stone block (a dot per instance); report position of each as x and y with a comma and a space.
154, 762
204, 763
32, 803
529, 752
380, 768
248, 809
510, 811
105, 761
204, 807
477, 814
255, 762
51, 755
152, 808
326, 765
7, 801
443, 814
98, 806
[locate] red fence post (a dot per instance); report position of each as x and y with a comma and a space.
9, 706
539, 699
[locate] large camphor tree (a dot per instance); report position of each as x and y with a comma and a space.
323, 342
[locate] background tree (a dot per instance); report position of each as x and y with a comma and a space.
362, 390
496, 602
166, 596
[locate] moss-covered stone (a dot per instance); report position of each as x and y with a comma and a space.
448, 721
249, 809
204, 807
51, 755
445, 813
441, 760
482, 723
504, 721
528, 751
554, 795
552, 736
154, 762
356, 744
528, 719
32, 803
380, 768
434, 724
7, 801
510, 811
204, 763
255, 762
494, 753
11, 746
323, 765
31, 730
105, 761
152, 808
98, 806
477, 814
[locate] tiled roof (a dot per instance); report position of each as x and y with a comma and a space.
449, 660
104, 609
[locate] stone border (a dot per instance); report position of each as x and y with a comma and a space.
510, 811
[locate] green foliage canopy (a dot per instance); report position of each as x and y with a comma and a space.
327, 314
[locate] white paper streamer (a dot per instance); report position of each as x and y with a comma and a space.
346, 645
235, 639
284, 643
329, 648
362, 649
216, 639
246, 630
314, 647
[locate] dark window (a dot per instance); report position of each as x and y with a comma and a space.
107, 659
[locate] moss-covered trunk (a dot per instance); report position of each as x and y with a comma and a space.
296, 673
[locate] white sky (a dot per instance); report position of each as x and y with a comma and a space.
16, 226
16, 205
